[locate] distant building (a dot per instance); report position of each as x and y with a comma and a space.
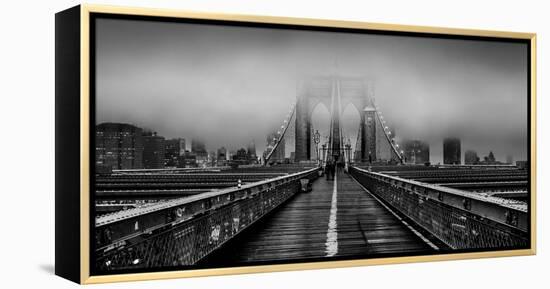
212, 158
241, 157
490, 157
451, 151
173, 149
187, 160
222, 153
119, 145
471, 158
251, 152
222, 156
153, 151
490, 160
198, 148
230, 154
416, 152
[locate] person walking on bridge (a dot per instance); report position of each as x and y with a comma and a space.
330, 169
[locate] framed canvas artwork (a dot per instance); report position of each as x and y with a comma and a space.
193, 144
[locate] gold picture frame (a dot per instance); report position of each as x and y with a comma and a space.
67, 265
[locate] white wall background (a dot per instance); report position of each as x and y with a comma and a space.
27, 144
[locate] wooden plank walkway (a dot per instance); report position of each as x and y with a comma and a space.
321, 224
365, 226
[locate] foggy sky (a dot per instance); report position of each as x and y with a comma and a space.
231, 85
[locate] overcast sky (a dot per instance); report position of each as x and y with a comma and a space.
230, 85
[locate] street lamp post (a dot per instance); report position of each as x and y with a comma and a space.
347, 152
316, 140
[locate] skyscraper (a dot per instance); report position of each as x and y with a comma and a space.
153, 151
251, 151
416, 151
198, 148
173, 149
451, 151
119, 145
222, 156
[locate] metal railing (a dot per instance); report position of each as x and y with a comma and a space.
459, 219
183, 231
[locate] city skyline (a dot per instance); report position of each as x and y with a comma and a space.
463, 155
437, 156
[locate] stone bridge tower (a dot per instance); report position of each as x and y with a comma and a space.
320, 90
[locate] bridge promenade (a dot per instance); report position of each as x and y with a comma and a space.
362, 213
336, 219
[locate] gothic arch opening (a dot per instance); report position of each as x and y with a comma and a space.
350, 120
320, 121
